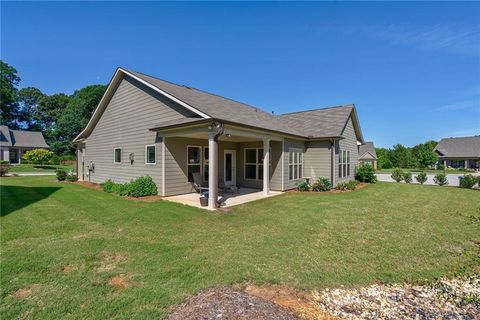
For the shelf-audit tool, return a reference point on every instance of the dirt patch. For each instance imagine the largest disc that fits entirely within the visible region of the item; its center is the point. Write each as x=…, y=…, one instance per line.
x=25, y=292
x=119, y=282
x=228, y=303
x=90, y=185
x=145, y=199
x=109, y=261
x=68, y=268
x=300, y=302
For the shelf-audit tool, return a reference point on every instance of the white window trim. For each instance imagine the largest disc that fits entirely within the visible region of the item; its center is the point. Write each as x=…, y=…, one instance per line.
x=344, y=172
x=146, y=154
x=298, y=164
x=195, y=164
x=114, y=162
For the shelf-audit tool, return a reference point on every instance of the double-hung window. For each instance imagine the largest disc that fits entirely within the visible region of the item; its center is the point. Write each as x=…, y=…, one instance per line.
x=194, y=161
x=117, y=155
x=254, y=163
x=344, y=164
x=150, y=152
x=295, y=164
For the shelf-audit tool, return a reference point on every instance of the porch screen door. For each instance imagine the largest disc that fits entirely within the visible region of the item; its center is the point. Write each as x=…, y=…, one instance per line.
x=229, y=165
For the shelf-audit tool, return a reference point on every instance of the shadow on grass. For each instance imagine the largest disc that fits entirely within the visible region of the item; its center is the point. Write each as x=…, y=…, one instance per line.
x=14, y=198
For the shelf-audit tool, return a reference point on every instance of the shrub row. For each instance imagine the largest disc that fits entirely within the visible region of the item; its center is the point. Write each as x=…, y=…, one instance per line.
x=323, y=184
x=63, y=175
x=140, y=187
x=347, y=185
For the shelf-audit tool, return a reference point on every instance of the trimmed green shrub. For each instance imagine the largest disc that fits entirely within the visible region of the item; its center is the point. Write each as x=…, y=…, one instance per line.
x=366, y=173
x=141, y=187
x=468, y=181
x=107, y=186
x=72, y=177
x=440, y=179
x=441, y=166
x=322, y=185
x=421, y=177
x=61, y=174
x=120, y=189
x=397, y=174
x=342, y=185
x=303, y=186
x=54, y=160
x=352, y=184
x=407, y=177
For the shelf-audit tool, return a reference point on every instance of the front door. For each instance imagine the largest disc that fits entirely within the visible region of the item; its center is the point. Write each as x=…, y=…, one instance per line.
x=229, y=166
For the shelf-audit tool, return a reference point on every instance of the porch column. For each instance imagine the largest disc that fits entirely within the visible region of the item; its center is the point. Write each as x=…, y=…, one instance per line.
x=212, y=170
x=266, y=166
x=466, y=164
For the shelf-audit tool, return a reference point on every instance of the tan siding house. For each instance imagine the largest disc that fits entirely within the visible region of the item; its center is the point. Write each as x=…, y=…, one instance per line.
x=173, y=133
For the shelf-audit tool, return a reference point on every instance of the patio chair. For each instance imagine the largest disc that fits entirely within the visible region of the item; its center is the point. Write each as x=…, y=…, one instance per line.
x=198, y=184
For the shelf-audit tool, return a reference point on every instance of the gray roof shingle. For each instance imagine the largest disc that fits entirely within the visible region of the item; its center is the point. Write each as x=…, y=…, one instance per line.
x=19, y=138
x=465, y=147
x=367, y=147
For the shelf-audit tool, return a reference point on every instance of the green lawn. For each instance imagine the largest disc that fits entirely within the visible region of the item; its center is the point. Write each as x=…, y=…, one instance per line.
x=433, y=171
x=23, y=168
x=62, y=244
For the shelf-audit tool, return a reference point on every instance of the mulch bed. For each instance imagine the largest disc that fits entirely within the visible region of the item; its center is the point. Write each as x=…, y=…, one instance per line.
x=228, y=303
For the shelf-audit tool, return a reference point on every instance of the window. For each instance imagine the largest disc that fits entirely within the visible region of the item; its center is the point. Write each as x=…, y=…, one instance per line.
x=117, y=155
x=194, y=161
x=205, y=163
x=344, y=164
x=254, y=163
x=150, y=157
x=295, y=164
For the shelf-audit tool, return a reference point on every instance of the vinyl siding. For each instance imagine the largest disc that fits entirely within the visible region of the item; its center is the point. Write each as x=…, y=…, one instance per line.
x=348, y=143
x=287, y=144
x=317, y=159
x=125, y=123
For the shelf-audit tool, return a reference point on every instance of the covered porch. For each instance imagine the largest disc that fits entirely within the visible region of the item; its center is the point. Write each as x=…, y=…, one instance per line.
x=233, y=165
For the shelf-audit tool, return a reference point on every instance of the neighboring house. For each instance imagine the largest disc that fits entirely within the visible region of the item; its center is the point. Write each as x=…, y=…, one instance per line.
x=367, y=154
x=14, y=143
x=459, y=152
x=147, y=126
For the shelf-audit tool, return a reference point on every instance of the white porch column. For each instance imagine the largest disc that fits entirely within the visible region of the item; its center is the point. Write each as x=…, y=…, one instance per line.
x=266, y=166
x=212, y=170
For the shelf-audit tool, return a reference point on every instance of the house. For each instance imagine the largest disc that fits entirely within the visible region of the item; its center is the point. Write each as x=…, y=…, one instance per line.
x=147, y=126
x=14, y=143
x=367, y=154
x=459, y=152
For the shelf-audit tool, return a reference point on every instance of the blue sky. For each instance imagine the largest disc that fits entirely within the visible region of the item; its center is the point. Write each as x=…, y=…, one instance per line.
x=412, y=69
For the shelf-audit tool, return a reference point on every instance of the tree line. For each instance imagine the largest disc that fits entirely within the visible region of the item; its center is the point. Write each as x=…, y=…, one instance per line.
x=59, y=116
x=419, y=156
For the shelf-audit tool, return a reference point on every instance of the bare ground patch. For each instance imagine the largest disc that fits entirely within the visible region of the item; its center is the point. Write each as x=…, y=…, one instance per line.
x=109, y=261
x=119, y=282
x=26, y=292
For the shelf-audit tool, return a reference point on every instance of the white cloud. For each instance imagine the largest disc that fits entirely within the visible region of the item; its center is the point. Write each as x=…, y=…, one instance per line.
x=459, y=106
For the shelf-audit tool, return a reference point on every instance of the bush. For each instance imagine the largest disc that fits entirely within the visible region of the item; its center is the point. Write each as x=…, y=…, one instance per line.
x=352, y=184
x=366, y=173
x=441, y=166
x=321, y=185
x=421, y=177
x=440, y=179
x=4, y=168
x=108, y=186
x=342, y=185
x=120, y=188
x=38, y=156
x=407, y=177
x=397, y=174
x=54, y=160
x=142, y=186
x=72, y=177
x=468, y=181
x=61, y=174
x=303, y=186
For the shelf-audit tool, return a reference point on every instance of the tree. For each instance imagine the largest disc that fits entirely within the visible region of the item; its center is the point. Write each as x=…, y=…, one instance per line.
x=38, y=156
x=384, y=158
x=9, y=81
x=424, y=154
x=402, y=157
x=28, y=98
x=75, y=117
x=49, y=109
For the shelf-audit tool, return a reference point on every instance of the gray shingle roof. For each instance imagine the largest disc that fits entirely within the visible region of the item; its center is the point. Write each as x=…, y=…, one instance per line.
x=367, y=147
x=319, y=123
x=465, y=147
x=19, y=138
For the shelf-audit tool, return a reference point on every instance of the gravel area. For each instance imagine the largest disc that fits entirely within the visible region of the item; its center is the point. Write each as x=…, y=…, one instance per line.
x=228, y=303
x=444, y=299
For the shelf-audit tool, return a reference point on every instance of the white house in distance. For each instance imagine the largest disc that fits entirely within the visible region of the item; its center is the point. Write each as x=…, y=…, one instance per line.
x=14, y=143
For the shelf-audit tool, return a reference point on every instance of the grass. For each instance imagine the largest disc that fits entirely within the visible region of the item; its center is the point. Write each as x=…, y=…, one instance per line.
x=432, y=171
x=73, y=252
x=30, y=168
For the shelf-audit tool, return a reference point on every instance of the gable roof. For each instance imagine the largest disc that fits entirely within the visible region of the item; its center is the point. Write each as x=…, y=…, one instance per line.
x=330, y=122
x=367, y=147
x=20, y=138
x=464, y=147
